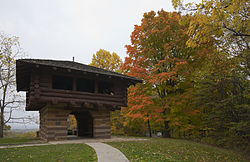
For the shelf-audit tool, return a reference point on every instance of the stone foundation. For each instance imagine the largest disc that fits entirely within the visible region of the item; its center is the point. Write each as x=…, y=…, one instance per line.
x=101, y=124
x=53, y=123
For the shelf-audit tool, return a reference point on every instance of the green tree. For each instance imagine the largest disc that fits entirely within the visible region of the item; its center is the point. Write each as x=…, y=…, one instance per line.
x=225, y=21
x=105, y=60
x=223, y=87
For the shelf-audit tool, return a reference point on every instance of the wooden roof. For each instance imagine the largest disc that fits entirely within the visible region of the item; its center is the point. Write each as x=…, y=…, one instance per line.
x=24, y=67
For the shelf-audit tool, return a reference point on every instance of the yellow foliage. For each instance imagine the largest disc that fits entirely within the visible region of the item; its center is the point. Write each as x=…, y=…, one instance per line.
x=72, y=123
x=28, y=134
x=105, y=60
x=225, y=21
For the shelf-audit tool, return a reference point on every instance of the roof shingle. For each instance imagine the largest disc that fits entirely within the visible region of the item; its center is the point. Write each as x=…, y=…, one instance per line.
x=76, y=66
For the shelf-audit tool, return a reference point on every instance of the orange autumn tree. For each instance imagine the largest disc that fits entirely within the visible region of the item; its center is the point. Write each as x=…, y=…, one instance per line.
x=141, y=106
x=158, y=54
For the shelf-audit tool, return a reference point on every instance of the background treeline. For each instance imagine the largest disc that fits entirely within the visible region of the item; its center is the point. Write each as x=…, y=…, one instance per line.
x=195, y=72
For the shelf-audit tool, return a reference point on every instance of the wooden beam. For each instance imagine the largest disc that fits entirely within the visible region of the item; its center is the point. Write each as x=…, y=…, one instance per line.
x=100, y=105
x=73, y=103
x=54, y=101
x=48, y=90
x=88, y=105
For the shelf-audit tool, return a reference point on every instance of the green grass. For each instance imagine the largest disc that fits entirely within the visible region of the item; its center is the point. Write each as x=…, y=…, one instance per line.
x=49, y=153
x=16, y=140
x=161, y=149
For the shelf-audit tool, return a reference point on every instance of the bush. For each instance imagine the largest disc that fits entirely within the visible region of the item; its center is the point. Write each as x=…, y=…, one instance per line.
x=28, y=134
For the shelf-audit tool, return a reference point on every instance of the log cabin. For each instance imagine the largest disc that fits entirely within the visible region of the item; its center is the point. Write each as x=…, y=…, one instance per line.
x=59, y=88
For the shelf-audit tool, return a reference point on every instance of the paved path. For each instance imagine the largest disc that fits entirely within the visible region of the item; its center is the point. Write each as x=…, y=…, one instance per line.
x=107, y=153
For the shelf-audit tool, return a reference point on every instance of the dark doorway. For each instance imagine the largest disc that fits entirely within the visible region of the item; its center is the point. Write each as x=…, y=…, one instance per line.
x=84, y=124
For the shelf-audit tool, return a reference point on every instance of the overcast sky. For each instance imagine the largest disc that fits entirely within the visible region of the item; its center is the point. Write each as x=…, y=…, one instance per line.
x=61, y=29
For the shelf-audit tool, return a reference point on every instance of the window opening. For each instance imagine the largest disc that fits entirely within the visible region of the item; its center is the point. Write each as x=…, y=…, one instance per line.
x=105, y=88
x=85, y=85
x=62, y=82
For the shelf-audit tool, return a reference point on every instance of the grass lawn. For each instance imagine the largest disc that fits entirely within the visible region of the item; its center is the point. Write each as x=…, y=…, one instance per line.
x=161, y=149
x=49, y=153
x=16, y=140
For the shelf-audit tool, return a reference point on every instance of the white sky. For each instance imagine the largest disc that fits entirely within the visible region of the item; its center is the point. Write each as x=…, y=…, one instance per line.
x=61, y=29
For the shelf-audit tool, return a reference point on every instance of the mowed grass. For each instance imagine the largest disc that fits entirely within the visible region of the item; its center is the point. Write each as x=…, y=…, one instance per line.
x=16, y=140
x=174, y=150
x=49, y=153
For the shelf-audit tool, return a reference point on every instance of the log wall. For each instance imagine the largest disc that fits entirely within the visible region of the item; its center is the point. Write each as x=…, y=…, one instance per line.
x=41, y=91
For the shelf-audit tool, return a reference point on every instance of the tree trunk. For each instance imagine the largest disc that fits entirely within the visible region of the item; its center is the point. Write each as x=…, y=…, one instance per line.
x=1, y=123
x=149, y=129
x=166, y=132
